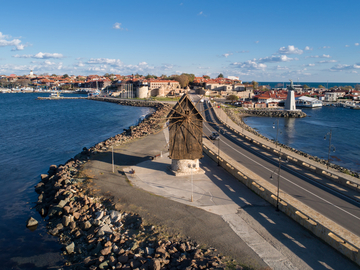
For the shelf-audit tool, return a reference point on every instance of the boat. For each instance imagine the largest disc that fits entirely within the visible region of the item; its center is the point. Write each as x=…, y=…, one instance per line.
x=349, y=104
x=308, y=102
x=356, y=107
x=55, y=94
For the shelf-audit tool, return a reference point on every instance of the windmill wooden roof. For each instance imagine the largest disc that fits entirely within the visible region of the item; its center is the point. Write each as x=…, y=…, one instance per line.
x=185, y=130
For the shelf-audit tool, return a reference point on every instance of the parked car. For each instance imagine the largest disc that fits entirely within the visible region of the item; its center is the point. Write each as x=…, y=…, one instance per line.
x=214, y=136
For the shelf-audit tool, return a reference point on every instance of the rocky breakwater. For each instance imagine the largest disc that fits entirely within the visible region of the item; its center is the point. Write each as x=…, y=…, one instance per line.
x=130, y=102
x=97, y=234
x=274, y=113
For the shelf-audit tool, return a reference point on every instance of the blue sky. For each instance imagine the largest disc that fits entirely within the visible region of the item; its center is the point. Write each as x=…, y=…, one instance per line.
x=312, y=41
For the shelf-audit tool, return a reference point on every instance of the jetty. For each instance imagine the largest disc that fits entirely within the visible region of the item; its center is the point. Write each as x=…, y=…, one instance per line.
x=57, y=98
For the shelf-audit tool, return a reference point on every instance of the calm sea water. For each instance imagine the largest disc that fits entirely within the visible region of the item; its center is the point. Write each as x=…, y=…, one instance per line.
x=310, y=84
x=35, y=134
x=307, y=134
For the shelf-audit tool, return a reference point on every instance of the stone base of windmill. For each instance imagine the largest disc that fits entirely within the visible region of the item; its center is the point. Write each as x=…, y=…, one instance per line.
x=182, y=167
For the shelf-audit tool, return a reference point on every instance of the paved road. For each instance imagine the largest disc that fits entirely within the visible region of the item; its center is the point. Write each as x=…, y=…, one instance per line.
x=293, y=180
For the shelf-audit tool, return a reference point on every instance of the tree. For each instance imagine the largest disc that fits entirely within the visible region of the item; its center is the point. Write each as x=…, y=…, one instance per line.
x=347, y=88
x=255, y=84
x=206, y=77
x=357, y=87
x=232, y=98
x=53, y=75
x=190, y=76
x=220, y=75
x=4, y=82
x=65, y=76
x=321, y=86
x=305, y=86
x=183, y=80
x=23, y=82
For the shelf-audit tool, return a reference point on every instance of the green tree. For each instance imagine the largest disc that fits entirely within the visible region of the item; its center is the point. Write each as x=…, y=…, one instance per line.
x=255, y=84
x=206, y=77
x=232, y=98
x=220, y=75
x=4, y=82
x=305, y=86
x=53, y=75
x=183, y=80
x=65, y=76
x=190, y=76
x=23, y=82
x=321, y=86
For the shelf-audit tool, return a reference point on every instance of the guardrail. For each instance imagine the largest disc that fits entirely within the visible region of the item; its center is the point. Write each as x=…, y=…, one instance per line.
x=336, y=236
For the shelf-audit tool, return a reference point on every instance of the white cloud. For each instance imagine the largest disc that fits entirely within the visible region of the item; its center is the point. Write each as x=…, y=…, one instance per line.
x=112, y=62
x=347, y=46
x=327, y=61
x=290, y=50
x=356, y=44
x=275, y=58
x=200, y=13
x=5, y=40
x=226, y=55
x=310, y=65
x=307, y=48
x=40, y=55
x=117, y=26
x=319, y=56
x=325, y=47
x=340, y=67
x=250, y=65
x=257, y=42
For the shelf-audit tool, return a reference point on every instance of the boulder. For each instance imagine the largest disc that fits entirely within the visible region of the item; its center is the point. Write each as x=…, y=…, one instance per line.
x=70, y=248
x=104, y=229
x=31, y=222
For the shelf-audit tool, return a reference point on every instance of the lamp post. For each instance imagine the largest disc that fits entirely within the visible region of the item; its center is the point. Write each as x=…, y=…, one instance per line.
x=218, y=159
x=192, y=166
x=278, y=182
x=277, y=132
x=330, y=147
x=112, y=158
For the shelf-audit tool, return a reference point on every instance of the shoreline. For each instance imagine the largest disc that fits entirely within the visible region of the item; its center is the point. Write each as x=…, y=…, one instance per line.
x=235, y=117
x=94, y=232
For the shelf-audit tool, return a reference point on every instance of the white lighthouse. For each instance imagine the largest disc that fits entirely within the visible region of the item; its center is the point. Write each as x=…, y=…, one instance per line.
x=290, y=100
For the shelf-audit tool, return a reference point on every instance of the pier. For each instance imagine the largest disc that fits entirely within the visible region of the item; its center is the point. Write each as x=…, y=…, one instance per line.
x=56, y=98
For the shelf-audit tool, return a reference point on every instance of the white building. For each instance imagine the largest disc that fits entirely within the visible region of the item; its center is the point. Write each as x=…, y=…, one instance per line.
x=308, y=102
x=233, y=78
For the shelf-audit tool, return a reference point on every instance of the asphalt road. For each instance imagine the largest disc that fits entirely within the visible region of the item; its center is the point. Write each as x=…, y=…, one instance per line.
x=292, y=180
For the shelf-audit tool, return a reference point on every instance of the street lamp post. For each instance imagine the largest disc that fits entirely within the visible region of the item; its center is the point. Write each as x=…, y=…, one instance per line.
x=192, y=166
x=218, y=159
x=277, y=132
x=330, y=147
x=278, y=182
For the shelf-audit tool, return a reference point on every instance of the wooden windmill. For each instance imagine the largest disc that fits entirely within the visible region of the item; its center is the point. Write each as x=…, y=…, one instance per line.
x=185, y=137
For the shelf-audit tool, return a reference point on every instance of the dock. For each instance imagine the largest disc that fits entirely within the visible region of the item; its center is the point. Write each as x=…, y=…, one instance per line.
x=57, y=98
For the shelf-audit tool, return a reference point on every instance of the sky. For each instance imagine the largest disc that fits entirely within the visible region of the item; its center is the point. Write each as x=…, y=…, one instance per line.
x=261, y=40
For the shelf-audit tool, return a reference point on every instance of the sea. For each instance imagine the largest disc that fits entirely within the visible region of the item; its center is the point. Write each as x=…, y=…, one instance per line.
x=327, y=128
x=310, y=84
x=35, y=134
